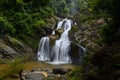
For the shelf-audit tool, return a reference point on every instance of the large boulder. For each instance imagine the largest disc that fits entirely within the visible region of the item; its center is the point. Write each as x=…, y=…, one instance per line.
x=77, y=53
x=6, y=51
x=17, y=45
x=11, y=47
x=59, y=71
x=33, y=76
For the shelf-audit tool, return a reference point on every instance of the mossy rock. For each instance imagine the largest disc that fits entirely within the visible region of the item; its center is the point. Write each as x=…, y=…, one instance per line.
x=57, y=35
x=53, y=38
x=17, y=45
x=59, y=31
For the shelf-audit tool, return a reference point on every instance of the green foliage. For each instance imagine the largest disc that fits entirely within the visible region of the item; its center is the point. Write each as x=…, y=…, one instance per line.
x=6, y=27
x=39, y=23
x=24, y=19
x=74, y=29
x=20, y=16
x=104, y=64
x=84, y=18
x=107, y=33
x=109, y=9
x=82, y=5
x=66, y=7
x=86, y=71
x=76, y=74
x=19, y=1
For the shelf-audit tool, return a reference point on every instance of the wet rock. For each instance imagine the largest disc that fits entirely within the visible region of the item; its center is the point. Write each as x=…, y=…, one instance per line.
x=59, y=31
x=33, y=76
x=33, y=70
x=51, y=77
x=59, y=71
x=56, y=77
x=77, y=53
x=47, y=69
x=53, y=37
x=49, y=72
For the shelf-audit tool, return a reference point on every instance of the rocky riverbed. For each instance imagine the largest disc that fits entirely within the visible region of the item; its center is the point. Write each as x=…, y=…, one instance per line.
x=46, y=74
x=45, y=71
x=41, y=71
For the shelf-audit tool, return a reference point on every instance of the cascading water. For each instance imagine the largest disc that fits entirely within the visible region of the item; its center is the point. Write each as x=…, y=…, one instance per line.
x=62, y=46
x=59, y=53
x=44, y=49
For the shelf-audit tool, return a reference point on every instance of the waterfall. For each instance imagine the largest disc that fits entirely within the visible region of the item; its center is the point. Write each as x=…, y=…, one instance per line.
x=62, y=46
x=44, y=49
x=59, y=53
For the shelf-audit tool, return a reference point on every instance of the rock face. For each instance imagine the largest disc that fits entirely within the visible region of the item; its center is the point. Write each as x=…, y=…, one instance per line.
x=77, y=53
x=86, y=32
x=11, y=47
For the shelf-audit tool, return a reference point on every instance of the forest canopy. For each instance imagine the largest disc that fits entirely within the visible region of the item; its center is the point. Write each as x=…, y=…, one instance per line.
x=24, y=16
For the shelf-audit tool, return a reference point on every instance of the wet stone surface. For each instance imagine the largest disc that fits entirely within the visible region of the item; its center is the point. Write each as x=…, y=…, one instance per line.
x=46, y=74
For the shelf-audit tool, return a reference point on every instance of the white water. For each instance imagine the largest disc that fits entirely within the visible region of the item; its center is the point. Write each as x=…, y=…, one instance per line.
x=44, y=49
x=62, y=46
x=59, y=53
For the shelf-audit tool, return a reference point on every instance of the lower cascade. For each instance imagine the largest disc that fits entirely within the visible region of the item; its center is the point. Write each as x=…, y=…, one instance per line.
x=59, y=52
